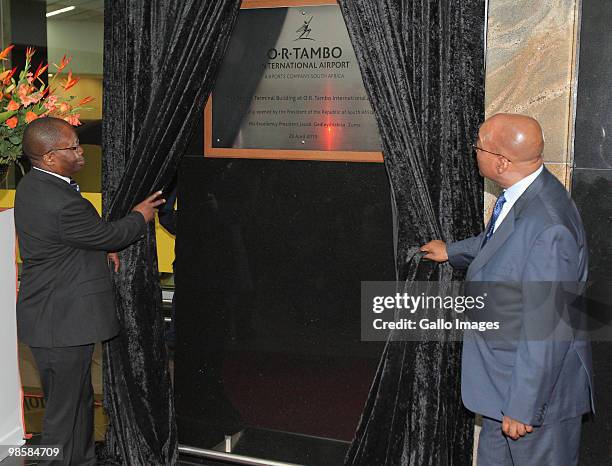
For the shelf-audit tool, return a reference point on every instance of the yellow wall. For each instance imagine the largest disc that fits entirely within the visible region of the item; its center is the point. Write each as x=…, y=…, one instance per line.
x=165, y=241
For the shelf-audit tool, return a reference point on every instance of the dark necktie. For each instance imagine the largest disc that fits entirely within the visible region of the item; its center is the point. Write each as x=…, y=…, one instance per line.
x=499, y=204
x=74, y=185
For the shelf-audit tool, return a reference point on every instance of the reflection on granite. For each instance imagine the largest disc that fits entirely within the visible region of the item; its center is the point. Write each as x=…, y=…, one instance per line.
x=268, y=304
x=530, y=64
x=592, y=193
x=594, y=105
x=591, y=190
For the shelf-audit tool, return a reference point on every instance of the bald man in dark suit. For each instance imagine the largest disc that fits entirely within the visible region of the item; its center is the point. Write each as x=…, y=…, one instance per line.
x=533, y=382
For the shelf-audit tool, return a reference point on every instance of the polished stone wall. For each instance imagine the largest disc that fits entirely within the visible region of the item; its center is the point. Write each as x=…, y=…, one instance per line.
x=531, y=57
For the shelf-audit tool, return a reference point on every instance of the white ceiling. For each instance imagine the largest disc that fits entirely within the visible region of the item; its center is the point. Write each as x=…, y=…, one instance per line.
x=86, y=10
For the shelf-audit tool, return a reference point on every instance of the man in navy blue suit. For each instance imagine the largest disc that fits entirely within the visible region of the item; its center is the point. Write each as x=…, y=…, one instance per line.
x=530, y=390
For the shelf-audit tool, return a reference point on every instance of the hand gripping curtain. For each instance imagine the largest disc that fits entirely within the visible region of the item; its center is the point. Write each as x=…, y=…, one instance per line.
x=422, y=67
x=160, y=62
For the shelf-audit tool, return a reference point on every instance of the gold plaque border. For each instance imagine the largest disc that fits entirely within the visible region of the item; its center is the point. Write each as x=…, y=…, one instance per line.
x=280, y=154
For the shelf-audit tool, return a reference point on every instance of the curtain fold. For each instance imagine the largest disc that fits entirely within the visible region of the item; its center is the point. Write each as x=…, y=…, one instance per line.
x=160, y=62
x=422, y=66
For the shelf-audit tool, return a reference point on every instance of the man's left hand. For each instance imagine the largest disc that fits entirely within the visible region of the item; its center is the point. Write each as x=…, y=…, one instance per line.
x=113, y=258
x=515, y=429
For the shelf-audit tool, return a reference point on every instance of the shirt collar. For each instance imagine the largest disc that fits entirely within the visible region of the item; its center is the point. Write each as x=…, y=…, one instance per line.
x=65, y=178
x=517, y=189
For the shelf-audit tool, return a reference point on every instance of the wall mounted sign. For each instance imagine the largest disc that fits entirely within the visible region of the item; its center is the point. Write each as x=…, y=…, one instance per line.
x=290, y=88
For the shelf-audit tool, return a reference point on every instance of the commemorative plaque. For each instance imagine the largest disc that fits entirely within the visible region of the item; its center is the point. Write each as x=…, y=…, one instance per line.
x=290, y=88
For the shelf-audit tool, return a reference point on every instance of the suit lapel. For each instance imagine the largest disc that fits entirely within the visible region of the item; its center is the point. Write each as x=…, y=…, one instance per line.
x=46, y=177
x=497, y=240
x=506, y=228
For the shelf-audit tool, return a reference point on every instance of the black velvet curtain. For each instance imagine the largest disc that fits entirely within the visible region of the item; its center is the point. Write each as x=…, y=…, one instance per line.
x=160, y=63
x=422, y=66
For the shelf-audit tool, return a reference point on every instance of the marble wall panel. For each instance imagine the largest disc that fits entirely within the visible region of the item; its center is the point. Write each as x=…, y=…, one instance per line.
x=530, y=65
x=531, y=57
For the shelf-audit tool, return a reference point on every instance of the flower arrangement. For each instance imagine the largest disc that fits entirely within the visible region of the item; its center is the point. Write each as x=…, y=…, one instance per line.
x=27, y=98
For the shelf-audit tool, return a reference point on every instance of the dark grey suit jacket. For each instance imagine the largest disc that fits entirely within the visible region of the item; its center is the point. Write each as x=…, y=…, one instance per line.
x=65, y=295
x=535, y=379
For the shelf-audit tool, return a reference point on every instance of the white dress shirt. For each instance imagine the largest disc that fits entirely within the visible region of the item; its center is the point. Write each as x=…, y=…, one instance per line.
x=513, y=193
x=65, y=178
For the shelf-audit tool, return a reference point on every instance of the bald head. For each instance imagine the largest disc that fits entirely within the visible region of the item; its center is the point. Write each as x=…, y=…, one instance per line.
x=43, y=135
x=517, y=140
x=52, y=144
x=519, y=137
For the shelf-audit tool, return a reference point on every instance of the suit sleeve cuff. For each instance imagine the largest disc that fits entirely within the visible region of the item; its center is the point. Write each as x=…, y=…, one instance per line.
x=453, y=253
x=524, y=412
x=140, y=218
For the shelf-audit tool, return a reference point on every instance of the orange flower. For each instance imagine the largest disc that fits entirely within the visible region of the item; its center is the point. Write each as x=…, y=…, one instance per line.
x=11, y=122
x=63, y=63
x=64, y=107
x=12, y=106
x=73, y=119
x=70, y=81
x=30, y=116
x=7, y=79
x=22, y=91
x=5, y=52
x=40, y=70
x=85, y=100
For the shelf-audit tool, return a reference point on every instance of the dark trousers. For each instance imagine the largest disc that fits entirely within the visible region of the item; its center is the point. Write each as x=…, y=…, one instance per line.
x=65, y=374
x=554, y=444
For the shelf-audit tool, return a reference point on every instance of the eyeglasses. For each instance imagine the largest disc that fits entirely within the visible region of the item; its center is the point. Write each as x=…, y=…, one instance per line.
x=70, y=148
x=64, y=148
x=476, y=148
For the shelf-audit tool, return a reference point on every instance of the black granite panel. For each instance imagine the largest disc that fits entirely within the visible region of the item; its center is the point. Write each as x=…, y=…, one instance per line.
x=270, y=258
x=593, y=143
x=592, y=192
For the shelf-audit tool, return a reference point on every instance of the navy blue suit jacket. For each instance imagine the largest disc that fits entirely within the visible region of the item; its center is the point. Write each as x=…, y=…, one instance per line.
x=529, y=378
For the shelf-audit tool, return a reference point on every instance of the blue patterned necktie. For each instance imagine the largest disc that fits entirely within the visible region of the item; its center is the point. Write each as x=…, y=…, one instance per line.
x=499, y=204
x=74, y=185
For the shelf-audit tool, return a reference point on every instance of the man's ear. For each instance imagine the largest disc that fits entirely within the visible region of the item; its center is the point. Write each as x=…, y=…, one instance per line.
x=48, y=159
x=502, y=164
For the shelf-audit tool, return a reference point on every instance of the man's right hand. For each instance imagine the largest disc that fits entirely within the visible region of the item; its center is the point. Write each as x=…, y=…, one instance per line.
x=147, y=207
x=436, y=251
